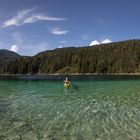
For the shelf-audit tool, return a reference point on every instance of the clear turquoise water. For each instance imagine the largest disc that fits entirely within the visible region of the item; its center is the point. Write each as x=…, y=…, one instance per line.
x=88, y=110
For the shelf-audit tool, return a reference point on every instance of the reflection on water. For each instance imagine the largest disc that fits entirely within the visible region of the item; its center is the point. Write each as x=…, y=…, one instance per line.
x=72, y=89
x=45, y=110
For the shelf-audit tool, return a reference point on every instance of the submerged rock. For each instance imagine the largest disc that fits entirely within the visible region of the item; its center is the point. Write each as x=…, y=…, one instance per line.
x=4, y=106
x=18, y=124
x=30, y=135
x=13, y=137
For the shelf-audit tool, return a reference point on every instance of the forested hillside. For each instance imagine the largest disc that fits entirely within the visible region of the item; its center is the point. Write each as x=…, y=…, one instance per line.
x=120, y=57
x=6, y=56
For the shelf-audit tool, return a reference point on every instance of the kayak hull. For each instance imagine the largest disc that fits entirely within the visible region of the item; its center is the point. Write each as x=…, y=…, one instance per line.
x=66, y=85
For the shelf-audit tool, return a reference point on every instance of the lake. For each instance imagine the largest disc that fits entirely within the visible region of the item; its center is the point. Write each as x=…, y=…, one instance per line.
x=87, y=110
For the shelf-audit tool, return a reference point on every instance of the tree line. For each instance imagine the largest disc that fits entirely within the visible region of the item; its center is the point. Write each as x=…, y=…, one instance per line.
x=119, y=57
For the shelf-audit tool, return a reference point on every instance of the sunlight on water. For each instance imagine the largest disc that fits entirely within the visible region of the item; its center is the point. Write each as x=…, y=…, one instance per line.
x=88, y=110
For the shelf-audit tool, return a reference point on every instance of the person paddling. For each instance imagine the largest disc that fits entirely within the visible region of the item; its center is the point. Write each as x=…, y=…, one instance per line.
x=66, y=82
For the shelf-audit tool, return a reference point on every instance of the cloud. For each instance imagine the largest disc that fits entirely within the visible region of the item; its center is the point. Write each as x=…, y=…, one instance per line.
x=18, y=19
x=27, y=16
x=95, y=42
x=60, y=46
x=57, y=31
x=63, y=41
x=106, y=41
x=37, y=17
x=14, y=48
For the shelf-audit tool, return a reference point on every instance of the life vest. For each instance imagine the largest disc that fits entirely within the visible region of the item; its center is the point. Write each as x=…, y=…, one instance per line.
x=66, y=83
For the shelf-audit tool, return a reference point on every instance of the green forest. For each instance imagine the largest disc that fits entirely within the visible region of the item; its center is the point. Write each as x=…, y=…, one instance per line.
x=118, y=57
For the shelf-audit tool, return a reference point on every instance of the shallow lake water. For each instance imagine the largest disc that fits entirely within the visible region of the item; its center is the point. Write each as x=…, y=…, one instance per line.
x=87, y=110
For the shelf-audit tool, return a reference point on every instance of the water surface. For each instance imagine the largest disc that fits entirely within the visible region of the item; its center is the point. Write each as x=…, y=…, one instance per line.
x=88, y=110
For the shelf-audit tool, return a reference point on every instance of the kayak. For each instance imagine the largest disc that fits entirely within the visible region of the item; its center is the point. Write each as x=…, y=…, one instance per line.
x=66, y=85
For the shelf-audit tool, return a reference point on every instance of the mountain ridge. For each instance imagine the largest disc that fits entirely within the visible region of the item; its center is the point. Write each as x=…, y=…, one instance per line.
x=115, y=57
x=6, y=55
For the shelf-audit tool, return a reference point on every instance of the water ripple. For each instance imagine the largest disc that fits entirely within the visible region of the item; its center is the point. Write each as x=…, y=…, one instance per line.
x=90, y=110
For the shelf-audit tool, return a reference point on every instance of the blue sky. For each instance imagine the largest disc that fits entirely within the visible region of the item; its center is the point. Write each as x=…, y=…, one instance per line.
x=30, y=26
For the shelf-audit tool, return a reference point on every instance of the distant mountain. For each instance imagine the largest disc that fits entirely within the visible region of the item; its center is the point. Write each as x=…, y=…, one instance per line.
x=6, y=55
x=118, y=57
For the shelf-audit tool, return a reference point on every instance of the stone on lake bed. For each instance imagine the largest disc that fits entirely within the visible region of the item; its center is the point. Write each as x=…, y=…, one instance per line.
x=30, y=135
x=13, y=137
x=98, y=110
x=18, y=124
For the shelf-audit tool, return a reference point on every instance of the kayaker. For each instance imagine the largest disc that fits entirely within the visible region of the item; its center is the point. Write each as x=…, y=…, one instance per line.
x=66, y=81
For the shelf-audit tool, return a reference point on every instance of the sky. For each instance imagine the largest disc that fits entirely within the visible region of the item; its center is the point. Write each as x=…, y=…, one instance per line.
x=31, y=26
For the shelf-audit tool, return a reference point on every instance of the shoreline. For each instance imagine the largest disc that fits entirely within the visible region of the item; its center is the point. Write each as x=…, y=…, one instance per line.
x=72, y=74
x=87, y=76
